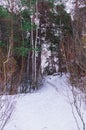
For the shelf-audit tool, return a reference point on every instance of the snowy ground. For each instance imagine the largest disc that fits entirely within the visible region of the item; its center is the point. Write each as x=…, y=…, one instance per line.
x=47, y=109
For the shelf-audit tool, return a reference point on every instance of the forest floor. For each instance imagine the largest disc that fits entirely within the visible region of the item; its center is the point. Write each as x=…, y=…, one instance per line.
x=49, y=108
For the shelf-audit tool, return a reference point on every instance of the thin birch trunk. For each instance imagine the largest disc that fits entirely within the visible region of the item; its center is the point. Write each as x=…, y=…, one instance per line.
x=32, y=44
x=36, y=41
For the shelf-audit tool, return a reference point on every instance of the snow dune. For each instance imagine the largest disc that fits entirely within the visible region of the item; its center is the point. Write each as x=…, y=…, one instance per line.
x=47, y=109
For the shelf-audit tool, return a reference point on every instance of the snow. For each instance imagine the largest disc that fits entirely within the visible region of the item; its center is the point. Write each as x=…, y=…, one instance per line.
x=46, y=109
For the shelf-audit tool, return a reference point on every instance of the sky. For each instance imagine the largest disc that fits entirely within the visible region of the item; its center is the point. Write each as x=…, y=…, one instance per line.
x=69, y=5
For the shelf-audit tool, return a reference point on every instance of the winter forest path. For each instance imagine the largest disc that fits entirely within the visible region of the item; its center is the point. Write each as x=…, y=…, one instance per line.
x=46, y=109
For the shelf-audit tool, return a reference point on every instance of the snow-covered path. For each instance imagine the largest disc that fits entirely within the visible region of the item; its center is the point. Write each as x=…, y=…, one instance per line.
x=47, y=109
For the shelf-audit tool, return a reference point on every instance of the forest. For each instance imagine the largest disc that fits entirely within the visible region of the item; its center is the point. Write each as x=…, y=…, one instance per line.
x=32, y=29
x=24, y=28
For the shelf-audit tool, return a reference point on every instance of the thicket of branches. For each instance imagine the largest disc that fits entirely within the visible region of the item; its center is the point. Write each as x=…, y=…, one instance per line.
x=73, y=46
